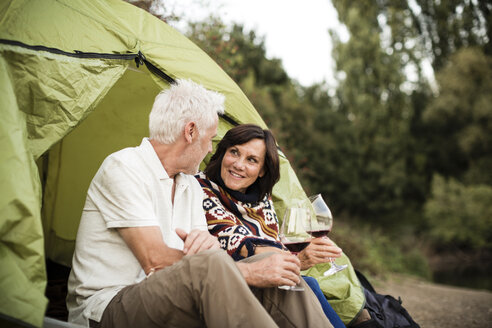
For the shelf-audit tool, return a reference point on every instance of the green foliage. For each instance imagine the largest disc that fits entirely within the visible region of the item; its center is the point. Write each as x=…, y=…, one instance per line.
x=459, y=215
x=373, y=251
x=376, y=124
x=446, y=26
x=461, y=118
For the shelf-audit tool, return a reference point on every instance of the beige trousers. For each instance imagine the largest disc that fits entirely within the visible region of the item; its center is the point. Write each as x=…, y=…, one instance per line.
x=208, y=290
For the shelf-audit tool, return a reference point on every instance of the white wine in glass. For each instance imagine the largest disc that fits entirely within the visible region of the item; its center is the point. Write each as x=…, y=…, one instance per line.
x=320, y=225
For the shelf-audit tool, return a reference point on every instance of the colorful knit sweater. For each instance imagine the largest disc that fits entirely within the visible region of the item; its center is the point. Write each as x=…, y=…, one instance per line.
x=238, y=219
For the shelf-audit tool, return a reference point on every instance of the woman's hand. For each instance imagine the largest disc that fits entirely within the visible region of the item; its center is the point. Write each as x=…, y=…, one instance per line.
x=197, y=240
x=320, y=250
x=276, y=270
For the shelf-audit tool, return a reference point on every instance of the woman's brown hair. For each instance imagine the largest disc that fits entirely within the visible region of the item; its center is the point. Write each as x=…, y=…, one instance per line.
x=239, y=135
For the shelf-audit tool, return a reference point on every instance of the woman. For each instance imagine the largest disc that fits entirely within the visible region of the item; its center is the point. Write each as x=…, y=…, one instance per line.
x=237, y=186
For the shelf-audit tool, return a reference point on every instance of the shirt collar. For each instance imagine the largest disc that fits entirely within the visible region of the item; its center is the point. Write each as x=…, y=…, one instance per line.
x=155, y=164
x=152, y=159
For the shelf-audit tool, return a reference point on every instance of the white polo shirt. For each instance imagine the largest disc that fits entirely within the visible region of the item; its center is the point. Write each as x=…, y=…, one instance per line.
x=130, y=189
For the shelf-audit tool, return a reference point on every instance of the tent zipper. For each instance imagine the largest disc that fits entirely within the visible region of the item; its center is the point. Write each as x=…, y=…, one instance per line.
x=76, y=53
x=138, y=57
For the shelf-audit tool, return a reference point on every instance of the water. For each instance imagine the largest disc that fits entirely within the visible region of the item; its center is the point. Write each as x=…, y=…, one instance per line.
x=476, y=276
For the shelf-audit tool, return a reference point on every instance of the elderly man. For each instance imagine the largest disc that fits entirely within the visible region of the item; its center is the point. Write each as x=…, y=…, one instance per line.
x=144, y=257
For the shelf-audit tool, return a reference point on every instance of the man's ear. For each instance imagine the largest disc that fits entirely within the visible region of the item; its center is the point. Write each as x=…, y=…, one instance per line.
x=190, y=132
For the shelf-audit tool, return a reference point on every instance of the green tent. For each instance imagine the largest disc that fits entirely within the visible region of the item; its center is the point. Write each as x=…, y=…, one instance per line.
x=61, y=60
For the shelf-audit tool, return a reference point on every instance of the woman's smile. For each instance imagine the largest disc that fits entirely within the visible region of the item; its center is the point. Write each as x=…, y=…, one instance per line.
x=235, y=175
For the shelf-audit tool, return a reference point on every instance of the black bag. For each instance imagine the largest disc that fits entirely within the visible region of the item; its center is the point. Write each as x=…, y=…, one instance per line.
x=385, y=310
x=388, y=311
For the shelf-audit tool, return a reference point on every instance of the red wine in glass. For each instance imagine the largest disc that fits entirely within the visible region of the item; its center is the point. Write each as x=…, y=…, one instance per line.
x=293, y=235
x=319, y=233
x=296, y=246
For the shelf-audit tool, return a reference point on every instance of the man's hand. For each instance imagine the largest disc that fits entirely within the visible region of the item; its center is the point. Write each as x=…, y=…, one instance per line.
x=276, y=270
x=320, y=250
x=197, y=241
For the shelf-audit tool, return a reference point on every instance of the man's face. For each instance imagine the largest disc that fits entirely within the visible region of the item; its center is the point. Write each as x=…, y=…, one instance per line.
x=200, y=148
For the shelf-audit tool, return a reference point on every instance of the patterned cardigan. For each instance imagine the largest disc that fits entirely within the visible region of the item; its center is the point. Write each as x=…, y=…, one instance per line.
x=236, y=223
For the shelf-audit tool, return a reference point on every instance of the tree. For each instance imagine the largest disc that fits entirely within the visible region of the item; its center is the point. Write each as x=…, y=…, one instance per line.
x=377, y=110
x=157, y=8
x=446, y=26
x=383, y=87
x=238, y=52
x=461, y=118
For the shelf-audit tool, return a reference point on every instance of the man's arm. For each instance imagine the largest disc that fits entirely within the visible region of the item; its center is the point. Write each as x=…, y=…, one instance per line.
x=149, y=248
x=153, y=254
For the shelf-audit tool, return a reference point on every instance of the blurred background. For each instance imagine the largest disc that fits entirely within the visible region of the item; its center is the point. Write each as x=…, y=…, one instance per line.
x=384, y=107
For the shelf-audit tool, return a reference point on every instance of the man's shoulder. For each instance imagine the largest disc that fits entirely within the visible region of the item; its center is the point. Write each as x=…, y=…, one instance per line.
x=124, y=157
x=122, y=154
x=125, y=161
x=129, y=155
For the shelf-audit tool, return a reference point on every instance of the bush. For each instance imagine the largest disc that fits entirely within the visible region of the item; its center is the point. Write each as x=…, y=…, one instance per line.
x=459, y=215
x=375, y=252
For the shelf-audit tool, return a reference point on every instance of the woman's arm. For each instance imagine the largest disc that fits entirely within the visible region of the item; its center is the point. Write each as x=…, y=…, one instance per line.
x=234, y=236
x=261, y=249
x=240, y=242
x=320, y=250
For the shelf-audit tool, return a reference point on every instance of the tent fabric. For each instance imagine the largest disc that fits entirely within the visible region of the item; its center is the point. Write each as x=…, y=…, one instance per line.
x=36, y=114
x=71, y=92
x=22, y=275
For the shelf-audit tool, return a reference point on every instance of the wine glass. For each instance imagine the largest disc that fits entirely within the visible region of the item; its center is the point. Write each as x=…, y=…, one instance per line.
x=293, y=234
x=320, y=225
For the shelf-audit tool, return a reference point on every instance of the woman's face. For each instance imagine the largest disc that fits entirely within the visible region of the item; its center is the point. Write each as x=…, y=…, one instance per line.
x=243, y=164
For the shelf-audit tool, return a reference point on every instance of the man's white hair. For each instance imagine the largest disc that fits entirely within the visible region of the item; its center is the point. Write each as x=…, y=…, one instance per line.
x=185, y=101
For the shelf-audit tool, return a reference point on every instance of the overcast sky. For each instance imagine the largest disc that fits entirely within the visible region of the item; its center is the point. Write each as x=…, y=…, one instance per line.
x=294, y=31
